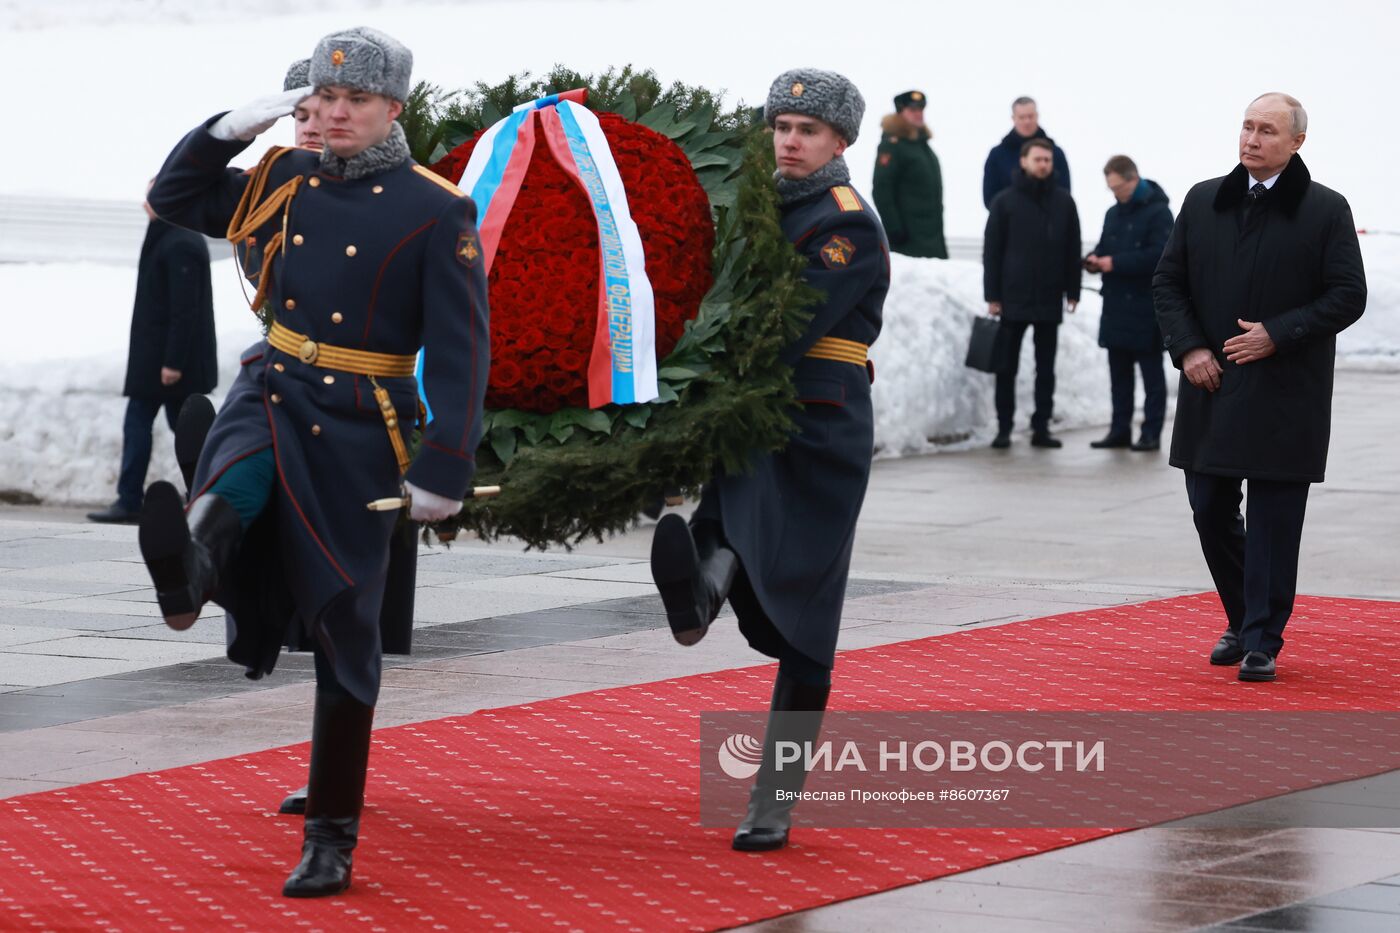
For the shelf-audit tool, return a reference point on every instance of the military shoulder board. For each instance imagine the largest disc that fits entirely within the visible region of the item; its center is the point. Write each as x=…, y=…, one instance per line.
x=438, y=180
x=846, y=198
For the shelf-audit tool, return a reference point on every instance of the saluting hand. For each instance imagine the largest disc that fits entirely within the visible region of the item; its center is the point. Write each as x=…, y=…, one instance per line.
x=255, y=117
x=1254, y=344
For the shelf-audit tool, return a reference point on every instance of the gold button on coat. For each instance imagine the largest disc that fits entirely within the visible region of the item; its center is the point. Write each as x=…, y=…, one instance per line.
x=337, y=317
x=315, y=429
x=290, y=303
x=279, y=367
x=314, y=182
x=298, y=239
x=378, y=189
x=328, y=379
x=350, y=250
x=276, y=399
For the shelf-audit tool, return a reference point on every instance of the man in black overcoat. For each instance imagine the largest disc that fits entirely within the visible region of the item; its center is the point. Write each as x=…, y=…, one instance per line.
x=777, y=540
x=1262, y=270
x=171, y=355
x=1030, y=273
x=363, y=257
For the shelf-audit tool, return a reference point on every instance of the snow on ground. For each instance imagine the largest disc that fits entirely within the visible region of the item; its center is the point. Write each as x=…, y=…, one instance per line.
x=61, y=369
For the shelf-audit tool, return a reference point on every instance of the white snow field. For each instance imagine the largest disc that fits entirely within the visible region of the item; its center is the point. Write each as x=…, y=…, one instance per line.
x=122, y=80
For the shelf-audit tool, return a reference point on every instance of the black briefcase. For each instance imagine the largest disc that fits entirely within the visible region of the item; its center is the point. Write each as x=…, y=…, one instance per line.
x=984, y=350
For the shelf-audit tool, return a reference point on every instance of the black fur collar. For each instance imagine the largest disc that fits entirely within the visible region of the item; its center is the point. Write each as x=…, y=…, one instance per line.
x=1287, y=192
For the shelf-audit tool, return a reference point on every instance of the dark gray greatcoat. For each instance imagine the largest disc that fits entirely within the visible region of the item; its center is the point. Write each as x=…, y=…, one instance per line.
x=1031, y=251
x=1291, y=261
x=172, y=318
x=792, y=519
x=1134, y=235
x=386, y=263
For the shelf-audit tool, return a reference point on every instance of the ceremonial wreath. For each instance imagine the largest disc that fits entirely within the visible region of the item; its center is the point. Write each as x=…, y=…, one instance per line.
x=609, y=381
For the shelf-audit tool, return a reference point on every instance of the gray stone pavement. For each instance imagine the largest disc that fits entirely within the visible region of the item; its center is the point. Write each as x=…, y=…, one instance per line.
x=93, y=686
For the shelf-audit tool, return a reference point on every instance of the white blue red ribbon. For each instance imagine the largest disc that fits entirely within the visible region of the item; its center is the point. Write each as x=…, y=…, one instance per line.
x=622, y=366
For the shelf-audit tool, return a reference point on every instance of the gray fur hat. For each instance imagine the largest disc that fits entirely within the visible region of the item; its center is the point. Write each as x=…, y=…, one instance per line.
x=298, y=75
x=364, y=59
x=826, y=95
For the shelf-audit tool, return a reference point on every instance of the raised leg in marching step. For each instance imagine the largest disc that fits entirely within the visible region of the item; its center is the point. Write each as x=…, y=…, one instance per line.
x=693, y=570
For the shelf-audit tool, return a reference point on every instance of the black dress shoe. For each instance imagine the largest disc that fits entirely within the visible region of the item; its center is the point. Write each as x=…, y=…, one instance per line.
x=1112, y=441
x=115, y=514
x=326, y=861
x=294, y=803
x=1148, y=442
x=186, y=554
x=191, y=428
x=693, y=571
x=1227, y=650
x=1002, y=440
x=1045, y=439
x=1257, y=666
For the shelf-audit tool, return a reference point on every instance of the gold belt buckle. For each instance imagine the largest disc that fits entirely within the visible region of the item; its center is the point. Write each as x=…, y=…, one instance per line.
x=308, y=352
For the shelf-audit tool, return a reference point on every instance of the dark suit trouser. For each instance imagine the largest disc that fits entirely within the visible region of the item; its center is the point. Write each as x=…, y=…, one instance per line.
x=1253, y=558
x=1154, y=387
x=136, y=446
x=1046, y=334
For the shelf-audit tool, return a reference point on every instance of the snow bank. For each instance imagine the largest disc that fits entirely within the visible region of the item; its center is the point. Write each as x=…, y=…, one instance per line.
x=925, y=397
x=61, y=372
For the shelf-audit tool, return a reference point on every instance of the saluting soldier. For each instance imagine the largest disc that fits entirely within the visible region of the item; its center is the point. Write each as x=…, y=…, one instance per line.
x=776, y=541
x=908, y=185
x=364, y=257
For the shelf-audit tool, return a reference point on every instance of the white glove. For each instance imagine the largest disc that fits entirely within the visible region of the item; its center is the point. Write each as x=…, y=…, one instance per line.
x=256, y=117
x=429, y=506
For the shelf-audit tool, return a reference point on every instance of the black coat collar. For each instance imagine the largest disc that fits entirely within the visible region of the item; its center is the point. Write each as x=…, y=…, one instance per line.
x=1287, y=192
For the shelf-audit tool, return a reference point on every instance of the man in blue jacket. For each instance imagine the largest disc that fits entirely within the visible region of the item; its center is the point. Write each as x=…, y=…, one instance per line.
x=1004, y=161
x=1135, y=231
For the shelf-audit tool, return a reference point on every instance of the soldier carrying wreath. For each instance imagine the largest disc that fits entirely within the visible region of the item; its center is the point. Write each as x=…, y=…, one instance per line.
x=776, y=540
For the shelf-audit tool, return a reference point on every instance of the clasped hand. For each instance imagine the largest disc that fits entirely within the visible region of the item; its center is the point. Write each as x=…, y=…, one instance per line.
x=1202, y=369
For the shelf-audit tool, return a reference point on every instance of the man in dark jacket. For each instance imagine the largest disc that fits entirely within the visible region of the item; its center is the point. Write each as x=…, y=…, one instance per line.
x=1004, y=160
x=1030, y=268
x=776, y=540
x=1262, y=270
x=1135, y=231
x=171, y=355
x=908, y=186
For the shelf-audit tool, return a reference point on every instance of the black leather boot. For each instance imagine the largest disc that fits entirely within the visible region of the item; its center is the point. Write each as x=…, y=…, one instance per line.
x=191, y=428
x=340, y=736
x=796, y=717
x=186, y=554
x=294, y=803
x=693, y=571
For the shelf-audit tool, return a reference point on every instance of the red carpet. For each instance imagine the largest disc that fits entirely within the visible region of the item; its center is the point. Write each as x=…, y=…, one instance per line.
x=581, y=812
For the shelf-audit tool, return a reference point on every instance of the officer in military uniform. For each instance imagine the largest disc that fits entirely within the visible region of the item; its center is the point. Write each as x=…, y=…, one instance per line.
x=908, y=186
x=365, y=257
x=776, y=541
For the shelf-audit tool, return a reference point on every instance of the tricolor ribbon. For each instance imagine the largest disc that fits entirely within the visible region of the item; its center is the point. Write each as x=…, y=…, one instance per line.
x=622, y=367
